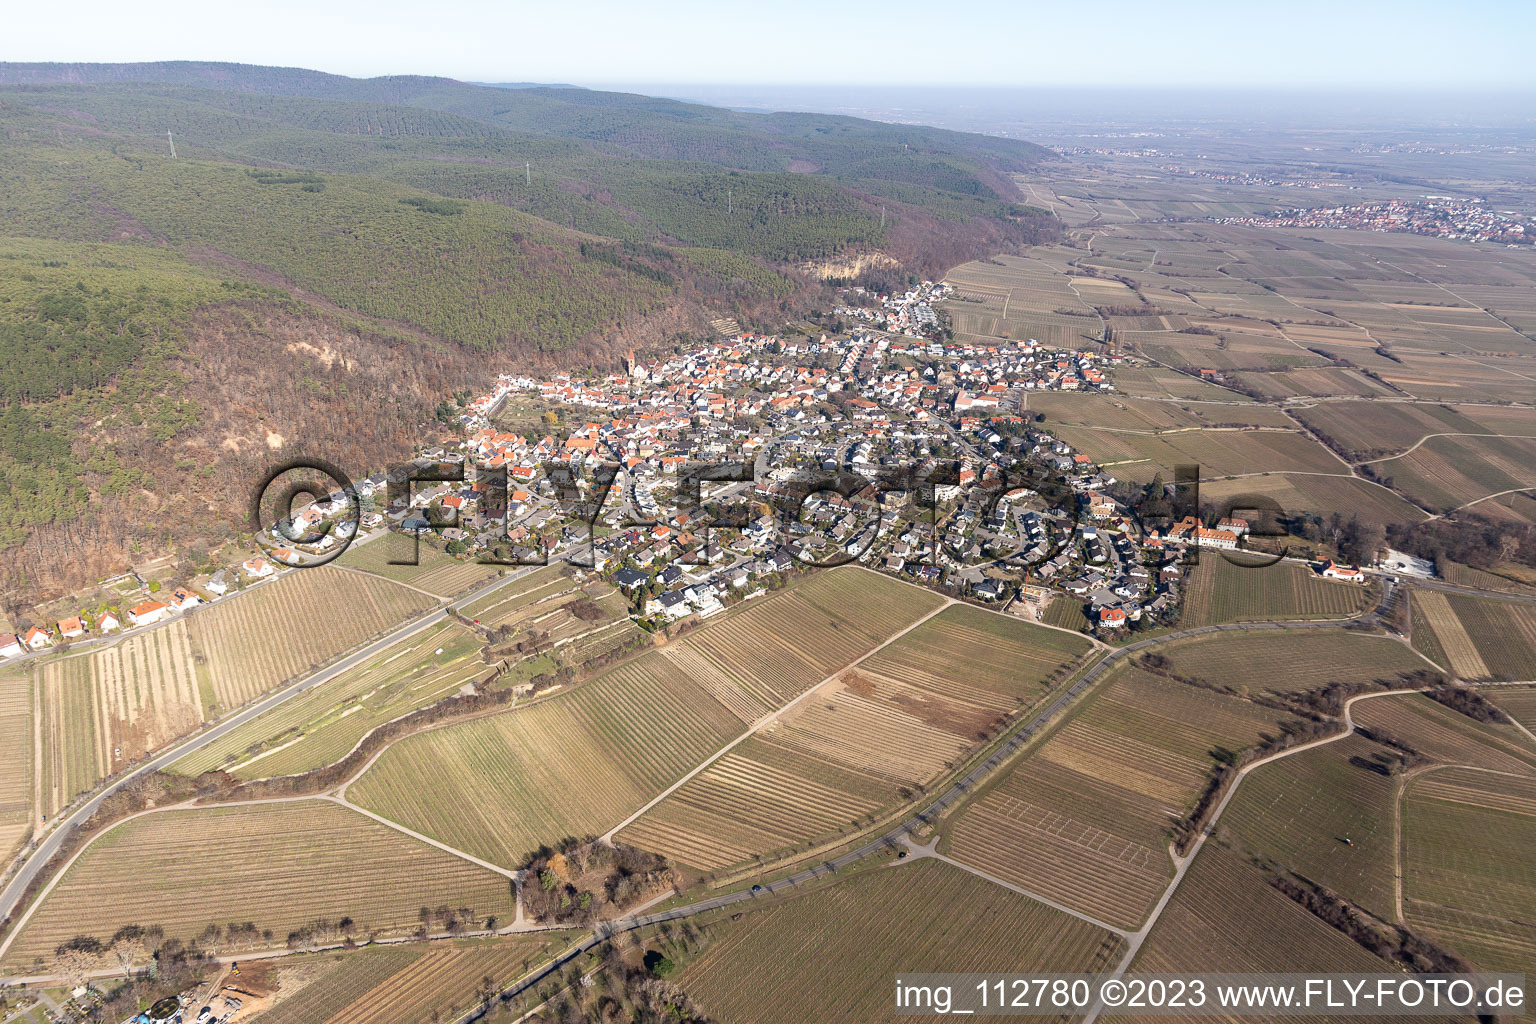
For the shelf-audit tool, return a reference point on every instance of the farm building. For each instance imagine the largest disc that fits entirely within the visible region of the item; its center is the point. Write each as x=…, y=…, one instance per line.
x=1334, y=571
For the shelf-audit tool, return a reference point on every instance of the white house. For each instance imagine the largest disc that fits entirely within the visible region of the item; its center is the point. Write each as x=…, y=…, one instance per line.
x=257, y=568
x=182, y=599
x=106, y=622
x=10, y=645
x=149, y=611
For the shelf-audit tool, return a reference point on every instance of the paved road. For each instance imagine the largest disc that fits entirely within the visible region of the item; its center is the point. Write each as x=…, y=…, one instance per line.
x=11, y=895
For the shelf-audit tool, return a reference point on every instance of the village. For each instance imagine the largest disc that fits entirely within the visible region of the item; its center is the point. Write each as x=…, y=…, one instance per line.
x=689, y=480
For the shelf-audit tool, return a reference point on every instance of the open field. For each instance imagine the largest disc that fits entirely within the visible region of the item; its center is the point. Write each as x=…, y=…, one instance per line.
x=1518, y=702
x=1161, y=382
x=106, y=709
x=323, y=725
x=1444, y=735
x=1120, y=412
x=1445, y=473
x=1219, y=591
x=977, y=655
x=1085, y=819
x=280, y=866
x=758, y=799
x=1478, y=898
x=933, y=696
x=293, y=624
x=1226, y=917
x=1482, y=638
x=1218, y=453
x=567, y=766
x=580, y=762
x=1290, y=662
x=832, y=954
x=1375, y=429
x=1324, y=495
x=15, y=759
x=437, y=572
x=1028, y=297
x=402, y=985
x=1299, y=811
x=1408, y=311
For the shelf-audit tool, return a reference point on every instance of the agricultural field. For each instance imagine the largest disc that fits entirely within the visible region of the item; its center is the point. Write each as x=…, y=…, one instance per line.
x=1289, y=662
x=582, y=761
x=1346, y=496
x=1377, y=429
x=832, y=954
x=104, y=710
x=1443, y=735
x=1218, y=453
x=1446, y=473
x=1118, y=412
x=1480, y=638
x=324, y=724
x=16, y=731
x=1028, y=297
x=1161, y=382
x=1085, y=819
x=71, y=760
x=978, y=655
x=1225, y=916
x=1218, y=591
x=252, y=643
x=401, y=985
x=1519, y=702
x=1298, y=812
x=1506, y=576
x=776, y=649
x=539, y=585
x=1066, y=612
x=280, y=866
x=437, y=572
x=934, y=694
x=539, y=607
x=1379, y=304
x=1478, y=898
x=571, y=765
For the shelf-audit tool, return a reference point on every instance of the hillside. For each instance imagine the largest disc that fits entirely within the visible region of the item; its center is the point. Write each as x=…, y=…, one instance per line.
x=325, y=259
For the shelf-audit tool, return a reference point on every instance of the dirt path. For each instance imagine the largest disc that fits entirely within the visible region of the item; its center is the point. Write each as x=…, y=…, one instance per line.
x=607, y=837
x=931, y=852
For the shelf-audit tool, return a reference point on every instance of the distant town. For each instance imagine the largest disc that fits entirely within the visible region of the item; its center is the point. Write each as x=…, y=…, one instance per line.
x=1438, y=216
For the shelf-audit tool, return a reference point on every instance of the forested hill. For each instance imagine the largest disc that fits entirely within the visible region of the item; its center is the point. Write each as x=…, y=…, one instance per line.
x=625, y=166
x=324, y=260
x=663, y=128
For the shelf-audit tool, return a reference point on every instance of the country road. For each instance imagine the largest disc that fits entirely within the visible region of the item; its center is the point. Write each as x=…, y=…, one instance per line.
x=899, y=835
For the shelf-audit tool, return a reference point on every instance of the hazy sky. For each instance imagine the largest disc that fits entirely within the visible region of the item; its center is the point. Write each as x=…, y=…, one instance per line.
x=1300, y=43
